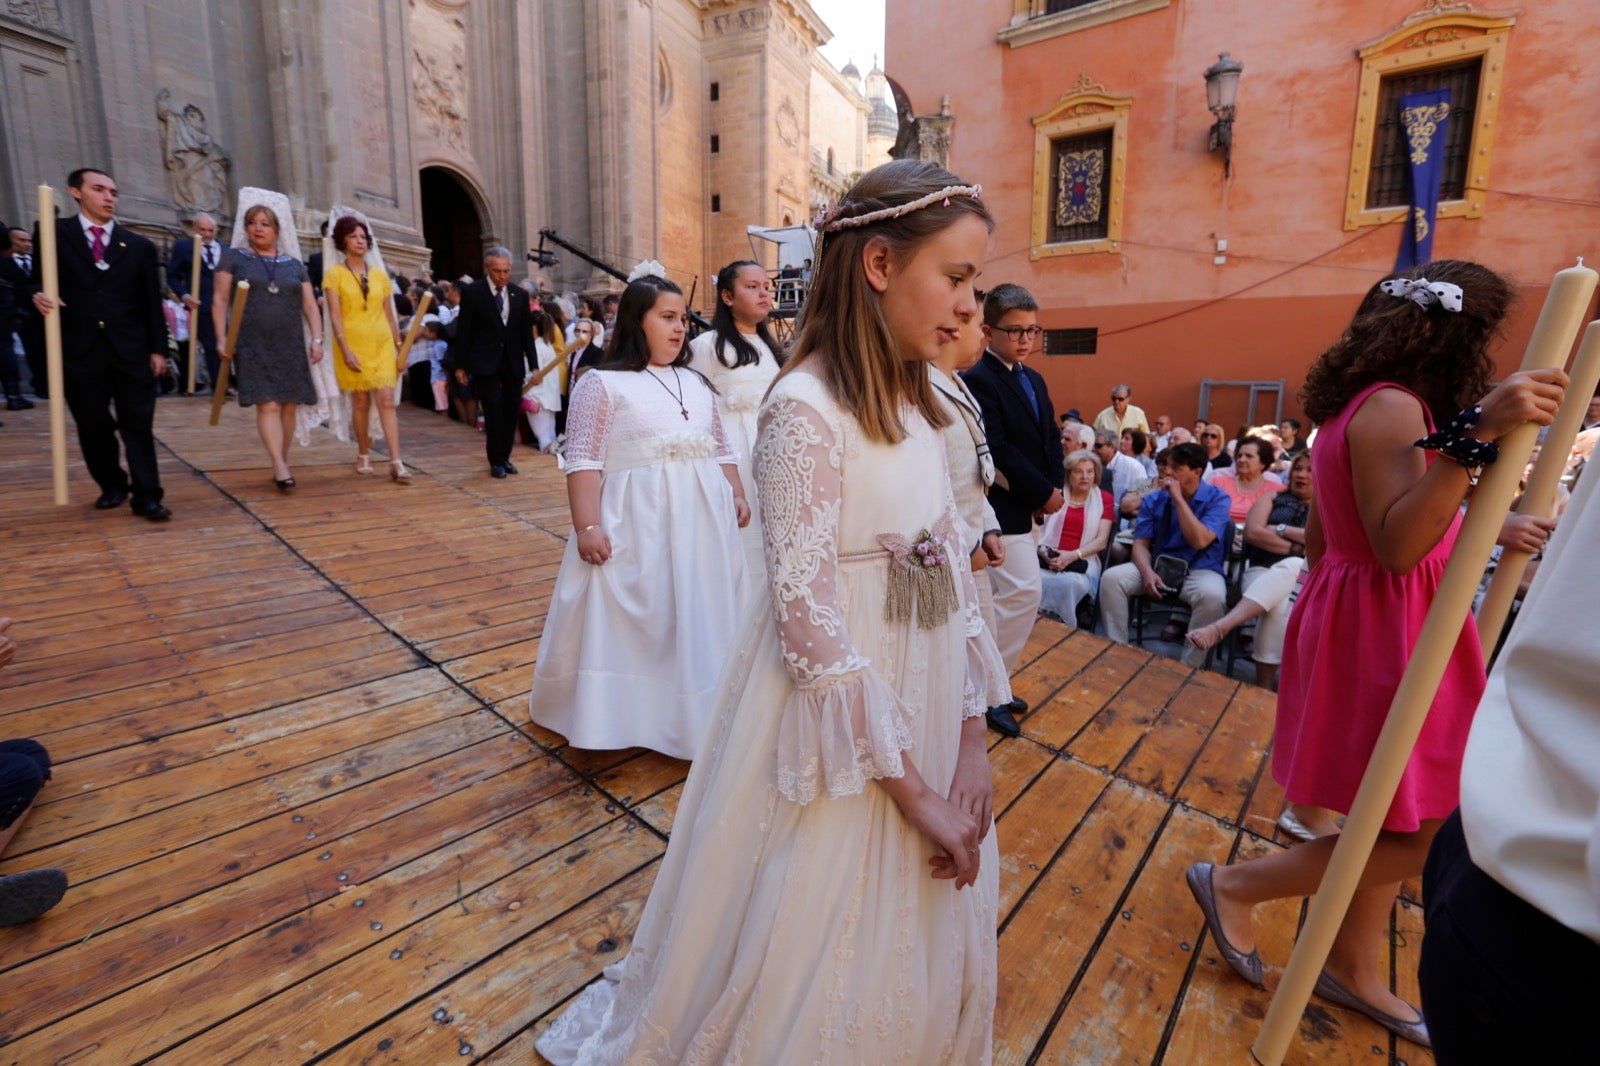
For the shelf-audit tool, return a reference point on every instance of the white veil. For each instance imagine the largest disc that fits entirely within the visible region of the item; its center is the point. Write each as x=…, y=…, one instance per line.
x=289, y=245
x=288, y=238
x=332, y=408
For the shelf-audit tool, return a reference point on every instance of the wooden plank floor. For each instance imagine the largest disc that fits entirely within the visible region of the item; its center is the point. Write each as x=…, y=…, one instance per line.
x=306, y=819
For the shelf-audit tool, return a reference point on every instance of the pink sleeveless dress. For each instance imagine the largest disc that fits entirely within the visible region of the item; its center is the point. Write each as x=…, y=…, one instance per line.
x=1351, y=634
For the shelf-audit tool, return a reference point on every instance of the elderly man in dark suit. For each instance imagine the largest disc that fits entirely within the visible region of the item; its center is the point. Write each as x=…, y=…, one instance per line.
x=113, y=339
x=199, y=304
x=493, y=349
x=1021, y=427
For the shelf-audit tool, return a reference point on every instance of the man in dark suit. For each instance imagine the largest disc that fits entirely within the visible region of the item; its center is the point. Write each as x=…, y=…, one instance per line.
x=113, y=340
x=16, y=263
x=199, y=305
x=493, y=349
x=1020, y=424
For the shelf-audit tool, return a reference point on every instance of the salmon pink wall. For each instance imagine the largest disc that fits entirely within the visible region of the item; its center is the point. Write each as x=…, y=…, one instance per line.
x=1268, y=310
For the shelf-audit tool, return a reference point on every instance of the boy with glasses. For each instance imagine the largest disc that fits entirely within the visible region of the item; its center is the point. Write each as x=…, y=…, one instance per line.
x=1023, y=438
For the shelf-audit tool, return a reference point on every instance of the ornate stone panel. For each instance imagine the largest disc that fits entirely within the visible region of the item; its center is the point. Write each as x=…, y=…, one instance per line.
x=439, y=82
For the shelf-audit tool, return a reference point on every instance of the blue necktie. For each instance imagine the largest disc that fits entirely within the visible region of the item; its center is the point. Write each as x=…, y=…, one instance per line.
x=500, y=302
x=1027, y=387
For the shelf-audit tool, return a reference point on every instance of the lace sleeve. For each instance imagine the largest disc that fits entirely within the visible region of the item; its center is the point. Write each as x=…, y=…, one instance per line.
x=844, y=725
x=588, y=425
x=725, y=454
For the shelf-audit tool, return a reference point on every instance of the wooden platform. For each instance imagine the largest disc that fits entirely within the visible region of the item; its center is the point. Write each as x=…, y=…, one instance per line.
x=306, y=819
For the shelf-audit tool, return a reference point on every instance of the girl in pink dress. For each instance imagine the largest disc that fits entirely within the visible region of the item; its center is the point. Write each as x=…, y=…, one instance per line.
x=1383, y=520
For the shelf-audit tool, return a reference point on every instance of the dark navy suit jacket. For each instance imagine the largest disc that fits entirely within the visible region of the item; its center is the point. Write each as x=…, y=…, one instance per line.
x=1026, y=446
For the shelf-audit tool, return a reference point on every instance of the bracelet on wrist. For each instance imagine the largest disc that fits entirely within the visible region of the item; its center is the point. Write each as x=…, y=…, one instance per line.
x=585, y=529
x=1474, y=470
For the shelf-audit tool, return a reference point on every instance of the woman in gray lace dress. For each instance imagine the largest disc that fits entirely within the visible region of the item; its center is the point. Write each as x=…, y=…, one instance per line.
x=270, y=357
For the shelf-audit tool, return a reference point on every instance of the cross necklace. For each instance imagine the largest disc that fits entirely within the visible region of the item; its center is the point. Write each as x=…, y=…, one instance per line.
x=678, y=395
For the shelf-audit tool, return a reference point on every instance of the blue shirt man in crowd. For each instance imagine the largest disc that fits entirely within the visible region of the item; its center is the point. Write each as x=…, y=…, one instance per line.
x=1185, y=520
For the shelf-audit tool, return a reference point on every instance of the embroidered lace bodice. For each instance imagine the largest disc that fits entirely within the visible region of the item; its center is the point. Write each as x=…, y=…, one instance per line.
x=827, y=494
x=622, y=419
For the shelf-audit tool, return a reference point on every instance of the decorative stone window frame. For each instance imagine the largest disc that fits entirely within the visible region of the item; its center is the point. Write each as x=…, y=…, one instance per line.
x=1029, y=22
x=1440, y=33
x=1085, y=108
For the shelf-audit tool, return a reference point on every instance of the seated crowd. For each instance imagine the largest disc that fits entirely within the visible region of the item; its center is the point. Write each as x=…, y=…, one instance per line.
x=1188, y=519
x=1211, y=529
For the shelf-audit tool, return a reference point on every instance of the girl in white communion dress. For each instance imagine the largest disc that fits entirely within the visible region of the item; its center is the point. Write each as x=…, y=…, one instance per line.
x=831, y=886
x=740, y=359
x=645, y=610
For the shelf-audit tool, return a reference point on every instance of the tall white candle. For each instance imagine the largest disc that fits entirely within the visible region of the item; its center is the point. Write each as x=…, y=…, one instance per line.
x=51, y=286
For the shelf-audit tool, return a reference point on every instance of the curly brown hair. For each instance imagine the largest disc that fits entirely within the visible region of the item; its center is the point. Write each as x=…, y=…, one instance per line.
x=1442, y=356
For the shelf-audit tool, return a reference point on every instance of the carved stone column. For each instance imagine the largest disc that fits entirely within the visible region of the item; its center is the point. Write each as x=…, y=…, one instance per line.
x=294, y=62
x=621, y=77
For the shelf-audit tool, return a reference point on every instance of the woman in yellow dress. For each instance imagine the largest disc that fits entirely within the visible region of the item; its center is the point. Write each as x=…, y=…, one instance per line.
x=361, y=310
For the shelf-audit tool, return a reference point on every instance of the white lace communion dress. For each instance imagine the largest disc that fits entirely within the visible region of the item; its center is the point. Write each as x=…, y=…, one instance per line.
x=632, y=649
x=739, y=393
x=794, y=918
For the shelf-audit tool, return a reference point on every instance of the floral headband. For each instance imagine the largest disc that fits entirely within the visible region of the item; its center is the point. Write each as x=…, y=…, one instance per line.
x=1425, y=293
x=828, y=219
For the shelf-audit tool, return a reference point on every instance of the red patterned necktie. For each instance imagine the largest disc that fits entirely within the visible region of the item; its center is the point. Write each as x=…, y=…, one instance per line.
x=98, y=246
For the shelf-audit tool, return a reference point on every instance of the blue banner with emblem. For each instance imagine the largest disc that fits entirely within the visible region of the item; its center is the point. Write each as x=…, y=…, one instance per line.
x=1424, y=118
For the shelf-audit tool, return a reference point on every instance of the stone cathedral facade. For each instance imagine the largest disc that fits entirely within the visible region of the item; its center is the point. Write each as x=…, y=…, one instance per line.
x=635, y=128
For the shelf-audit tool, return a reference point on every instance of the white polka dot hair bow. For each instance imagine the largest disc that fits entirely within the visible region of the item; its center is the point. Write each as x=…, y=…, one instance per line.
x=1423, y=292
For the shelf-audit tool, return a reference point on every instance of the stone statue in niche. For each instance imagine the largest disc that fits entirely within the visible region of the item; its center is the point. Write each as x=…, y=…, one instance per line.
x=933, y=135
x=197, y=168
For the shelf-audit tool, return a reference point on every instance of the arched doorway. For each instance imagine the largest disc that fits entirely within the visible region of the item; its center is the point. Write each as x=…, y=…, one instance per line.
x=451, y=225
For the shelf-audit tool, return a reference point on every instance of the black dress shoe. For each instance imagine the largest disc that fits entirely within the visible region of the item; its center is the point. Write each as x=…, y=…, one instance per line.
x=497, y=471
x=153, y=510
x=17, y=403
x=25, y=896
x=109, y=500
x=1018, y=705
x=1001, y=721
x=510, y=468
